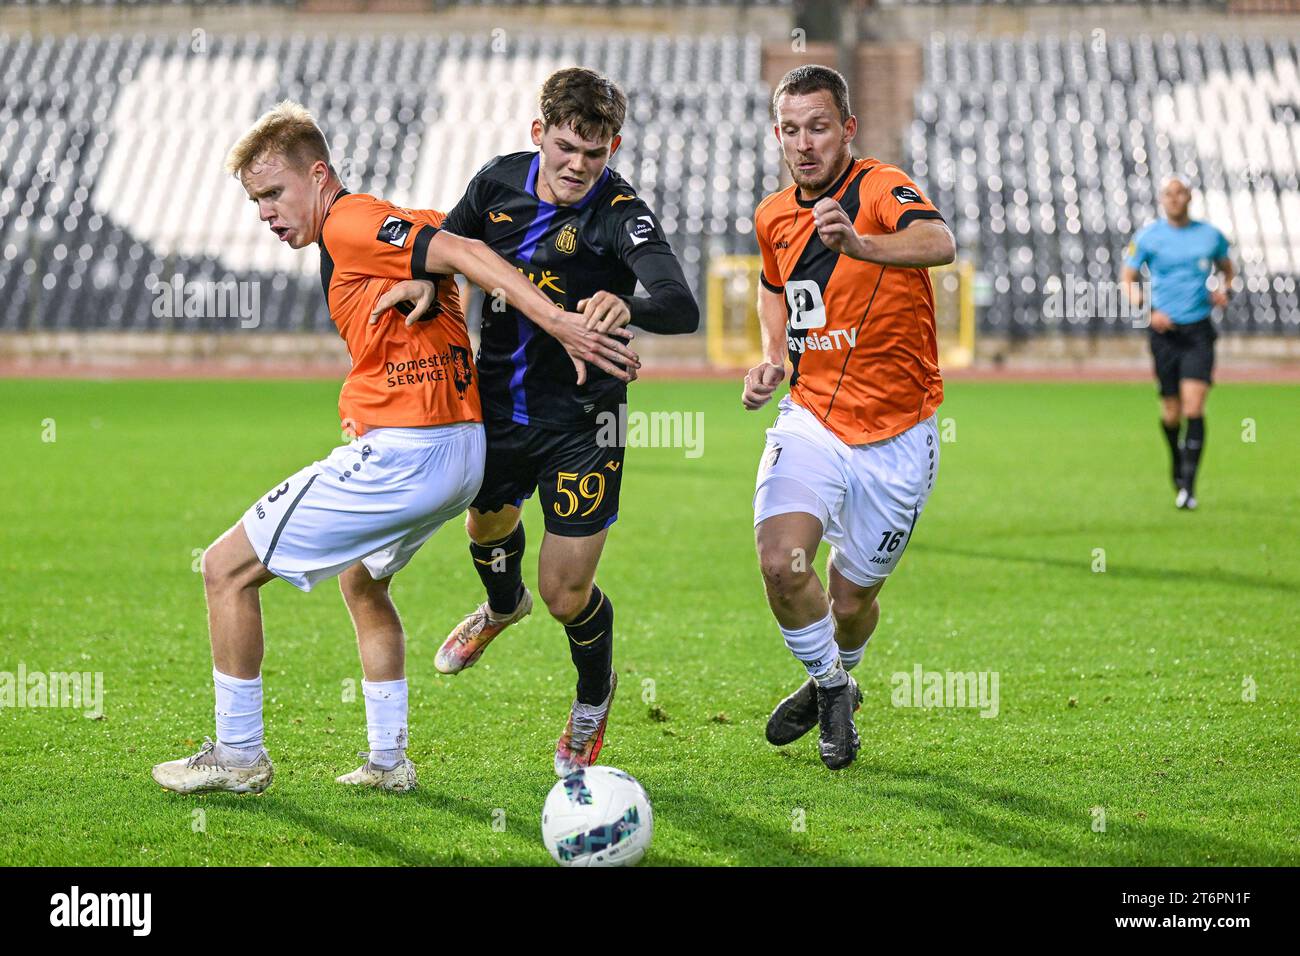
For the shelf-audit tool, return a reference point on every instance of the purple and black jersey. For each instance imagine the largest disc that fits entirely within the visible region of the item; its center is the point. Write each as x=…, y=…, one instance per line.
x=606, y=242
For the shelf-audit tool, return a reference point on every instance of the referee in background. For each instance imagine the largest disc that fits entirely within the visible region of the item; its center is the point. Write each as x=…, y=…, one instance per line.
x=1181, y=254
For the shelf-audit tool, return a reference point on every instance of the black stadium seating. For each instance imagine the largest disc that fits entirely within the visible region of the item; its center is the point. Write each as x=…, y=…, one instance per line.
x=1044, y=153
x=110, y=178
x=1047, y=154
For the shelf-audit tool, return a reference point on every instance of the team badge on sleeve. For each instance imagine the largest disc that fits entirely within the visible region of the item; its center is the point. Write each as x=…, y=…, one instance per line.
x=641, y=228
x=394, y=231
x=906, y=194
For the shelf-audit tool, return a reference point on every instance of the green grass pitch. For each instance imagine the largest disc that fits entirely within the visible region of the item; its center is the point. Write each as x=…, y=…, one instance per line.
x=1125, y=695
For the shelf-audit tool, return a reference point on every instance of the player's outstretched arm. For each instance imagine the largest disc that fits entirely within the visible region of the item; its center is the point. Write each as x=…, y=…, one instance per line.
x=477, y=262
x=762, y=380
x=919, y=245
x=669, y=309
x=473, y=259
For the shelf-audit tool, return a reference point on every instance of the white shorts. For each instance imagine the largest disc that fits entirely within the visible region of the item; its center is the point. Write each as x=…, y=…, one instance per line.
x=867, y=497
x=375, y=500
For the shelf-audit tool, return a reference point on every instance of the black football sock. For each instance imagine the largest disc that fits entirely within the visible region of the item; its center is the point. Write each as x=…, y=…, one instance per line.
x=1193, y=443
x=1171, y=436
x=499, y=565
x=591, y=645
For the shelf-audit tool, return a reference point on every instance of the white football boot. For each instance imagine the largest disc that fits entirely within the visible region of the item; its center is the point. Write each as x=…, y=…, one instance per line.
x=203, y=773
x=398, y=780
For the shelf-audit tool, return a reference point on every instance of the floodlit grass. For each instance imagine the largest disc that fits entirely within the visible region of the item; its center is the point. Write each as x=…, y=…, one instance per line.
x=1127, y=690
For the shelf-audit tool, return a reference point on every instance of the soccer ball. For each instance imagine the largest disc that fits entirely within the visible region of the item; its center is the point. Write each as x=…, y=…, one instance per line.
x=597, y=817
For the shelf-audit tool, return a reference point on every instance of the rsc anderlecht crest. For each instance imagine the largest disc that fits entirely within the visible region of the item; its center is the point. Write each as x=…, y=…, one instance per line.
x=567, y=240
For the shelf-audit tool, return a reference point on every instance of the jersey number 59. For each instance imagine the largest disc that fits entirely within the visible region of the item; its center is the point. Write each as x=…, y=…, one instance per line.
x=591, y=487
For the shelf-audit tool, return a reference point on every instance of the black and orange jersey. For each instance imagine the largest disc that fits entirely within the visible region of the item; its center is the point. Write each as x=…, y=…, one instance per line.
x=401, y=376
x=861, y=336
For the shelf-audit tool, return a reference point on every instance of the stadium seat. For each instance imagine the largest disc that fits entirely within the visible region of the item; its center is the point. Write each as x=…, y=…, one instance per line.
x=101, y=148
x=1046, y=153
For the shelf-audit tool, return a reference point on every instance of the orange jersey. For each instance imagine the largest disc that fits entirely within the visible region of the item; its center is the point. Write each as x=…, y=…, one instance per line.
x=861, y=336
x=421, y=375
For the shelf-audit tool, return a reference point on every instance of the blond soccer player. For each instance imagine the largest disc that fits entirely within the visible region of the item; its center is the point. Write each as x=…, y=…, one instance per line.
x=361, y=512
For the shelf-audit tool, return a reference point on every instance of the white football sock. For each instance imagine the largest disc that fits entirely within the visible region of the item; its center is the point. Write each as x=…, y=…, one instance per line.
x=239, y=712
x=851, y=659
x=837, y=676
x=237, y=756
x=814, y=646
x=386, y=759
x=386, y=703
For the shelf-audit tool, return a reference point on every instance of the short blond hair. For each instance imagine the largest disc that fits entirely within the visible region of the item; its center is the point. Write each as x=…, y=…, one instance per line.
x=288, y=130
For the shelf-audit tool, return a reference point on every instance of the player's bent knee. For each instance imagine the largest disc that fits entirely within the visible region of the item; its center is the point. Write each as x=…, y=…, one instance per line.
x=486, y=527
x=216, y=566
x=206, y=569
x=1193, y=403
x=227, y=578
x=229, y=564
x=850, y=600
x=848, y=605
x=565, y=601
x=783, y=572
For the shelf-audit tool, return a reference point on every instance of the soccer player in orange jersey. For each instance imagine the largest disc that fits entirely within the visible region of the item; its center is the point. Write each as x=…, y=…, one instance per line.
x=853, y=454
x=412, y=401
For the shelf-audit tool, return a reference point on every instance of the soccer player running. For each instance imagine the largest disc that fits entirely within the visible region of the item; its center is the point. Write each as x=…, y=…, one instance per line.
x=1181, y=253
x=853, y=454
x=581, y=233
x=362, y=511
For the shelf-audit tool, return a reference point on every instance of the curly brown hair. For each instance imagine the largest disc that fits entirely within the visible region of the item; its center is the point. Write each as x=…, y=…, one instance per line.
x=592, y=104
